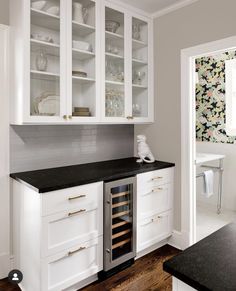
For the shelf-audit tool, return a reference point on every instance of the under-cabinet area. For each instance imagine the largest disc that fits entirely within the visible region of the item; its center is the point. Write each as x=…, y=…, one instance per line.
x=80, y=61
x=77, y=233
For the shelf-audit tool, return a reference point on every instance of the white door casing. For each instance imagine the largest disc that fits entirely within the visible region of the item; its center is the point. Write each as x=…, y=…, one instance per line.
x=188, y=144
x=4, y=155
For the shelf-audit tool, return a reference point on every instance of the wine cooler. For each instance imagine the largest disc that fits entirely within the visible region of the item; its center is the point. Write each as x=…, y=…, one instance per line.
x=119, y=224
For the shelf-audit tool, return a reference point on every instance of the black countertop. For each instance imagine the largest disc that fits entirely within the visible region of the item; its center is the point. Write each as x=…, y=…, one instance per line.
x=209, y=264
x=64, y=177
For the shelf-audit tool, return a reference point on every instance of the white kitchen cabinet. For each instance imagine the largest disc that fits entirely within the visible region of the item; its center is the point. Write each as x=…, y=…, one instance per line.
x=154, y=207
x=56, y=249
x=58, y=80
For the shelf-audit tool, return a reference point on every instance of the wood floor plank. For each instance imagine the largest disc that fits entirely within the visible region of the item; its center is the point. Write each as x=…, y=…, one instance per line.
x=145, y=275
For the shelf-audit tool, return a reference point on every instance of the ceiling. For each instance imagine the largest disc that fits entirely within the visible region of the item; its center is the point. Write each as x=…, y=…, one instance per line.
x=155, y=6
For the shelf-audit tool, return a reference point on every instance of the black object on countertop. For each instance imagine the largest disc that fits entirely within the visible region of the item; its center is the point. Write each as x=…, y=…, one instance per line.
x=64, y=177
x=210, y=264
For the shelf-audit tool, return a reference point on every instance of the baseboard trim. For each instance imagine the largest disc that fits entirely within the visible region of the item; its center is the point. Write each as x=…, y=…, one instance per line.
x=179, y=240
x=5, y=265
x=82, y=284
x=151, y=249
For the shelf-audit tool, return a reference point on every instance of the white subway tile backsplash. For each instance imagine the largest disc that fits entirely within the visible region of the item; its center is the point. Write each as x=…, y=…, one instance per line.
x=37, y=147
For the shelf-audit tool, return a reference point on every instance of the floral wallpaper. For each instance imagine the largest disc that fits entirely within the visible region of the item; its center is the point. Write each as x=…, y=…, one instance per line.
x=210, y=98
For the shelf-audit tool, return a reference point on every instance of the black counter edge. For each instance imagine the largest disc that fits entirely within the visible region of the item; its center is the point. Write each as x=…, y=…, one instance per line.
x=192, y=283
x=89, y=181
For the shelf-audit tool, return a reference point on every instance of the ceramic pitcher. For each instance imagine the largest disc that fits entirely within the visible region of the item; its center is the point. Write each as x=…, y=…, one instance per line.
x=79, y=13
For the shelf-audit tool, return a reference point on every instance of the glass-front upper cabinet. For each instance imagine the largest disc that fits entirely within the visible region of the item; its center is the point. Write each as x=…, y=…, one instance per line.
x=140, y=68
x=45, y=60
x=114, y=61
x=84, y=88
x=127, y=47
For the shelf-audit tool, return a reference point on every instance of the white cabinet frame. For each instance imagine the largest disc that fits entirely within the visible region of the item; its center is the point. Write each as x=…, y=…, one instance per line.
x=20, y=19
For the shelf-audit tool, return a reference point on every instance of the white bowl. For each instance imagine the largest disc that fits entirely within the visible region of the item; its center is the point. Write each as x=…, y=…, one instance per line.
x=38, y=5
x=82, y=45
x=53, y=10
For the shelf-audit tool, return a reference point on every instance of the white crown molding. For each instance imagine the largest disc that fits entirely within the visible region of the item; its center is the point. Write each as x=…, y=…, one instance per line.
x=132, y=8
x=173, y=7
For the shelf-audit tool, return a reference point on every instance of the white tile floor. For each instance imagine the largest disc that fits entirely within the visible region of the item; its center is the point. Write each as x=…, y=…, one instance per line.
x=208, y=221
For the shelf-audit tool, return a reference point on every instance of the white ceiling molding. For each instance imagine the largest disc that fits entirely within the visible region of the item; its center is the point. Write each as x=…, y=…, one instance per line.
x=130, y=7
x=173, y=7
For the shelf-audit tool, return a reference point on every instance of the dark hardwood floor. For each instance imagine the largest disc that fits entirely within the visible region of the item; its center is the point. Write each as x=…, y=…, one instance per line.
x=145, y=275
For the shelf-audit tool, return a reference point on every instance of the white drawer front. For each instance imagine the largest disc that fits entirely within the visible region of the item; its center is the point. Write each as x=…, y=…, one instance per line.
x=63, y=230
x=155, y=200
x=71, y=198
x=153, y=179
x=153, y=230
x=64, y=270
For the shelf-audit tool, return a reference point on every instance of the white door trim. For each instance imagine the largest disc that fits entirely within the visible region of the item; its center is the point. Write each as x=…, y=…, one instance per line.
x=4, y=154
x=188, y=180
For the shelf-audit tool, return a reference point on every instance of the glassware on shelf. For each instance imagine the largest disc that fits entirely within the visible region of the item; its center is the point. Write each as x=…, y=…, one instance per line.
x=41, y=61
x=114, y=103
x=138, y=77
x=136, y=29
x=136, y=109
x=110, y=48
x=114, y=72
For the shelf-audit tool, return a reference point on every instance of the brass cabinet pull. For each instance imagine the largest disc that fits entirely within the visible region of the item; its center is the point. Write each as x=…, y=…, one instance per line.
x=76, y=197
x=157, y=178
x=76, y=212
x=157, y=189
x=65, y=117
x=129, y=117
x=70, y=116
x=76, y=251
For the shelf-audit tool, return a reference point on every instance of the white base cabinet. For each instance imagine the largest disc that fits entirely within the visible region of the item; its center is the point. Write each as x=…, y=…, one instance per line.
x=154, y=207
x=57, y=247
x=178, y=285
x=58, y=236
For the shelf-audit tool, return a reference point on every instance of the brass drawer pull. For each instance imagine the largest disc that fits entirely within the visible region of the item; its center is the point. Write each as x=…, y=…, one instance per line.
x=157, y=190
x=76, y=197
x=157, y=178
x=129, y=117
x=76, y=251
x=76, y=212
x=65, y=117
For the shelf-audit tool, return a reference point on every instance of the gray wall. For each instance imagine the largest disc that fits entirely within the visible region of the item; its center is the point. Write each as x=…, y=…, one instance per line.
x=38, y=147
x=4, y=11
x=201, y=22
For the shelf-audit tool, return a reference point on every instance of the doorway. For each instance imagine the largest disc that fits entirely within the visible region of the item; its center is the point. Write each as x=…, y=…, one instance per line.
x=188, y=132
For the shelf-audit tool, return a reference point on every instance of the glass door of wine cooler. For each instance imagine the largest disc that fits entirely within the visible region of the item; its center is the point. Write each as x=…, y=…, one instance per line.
x=119, y=222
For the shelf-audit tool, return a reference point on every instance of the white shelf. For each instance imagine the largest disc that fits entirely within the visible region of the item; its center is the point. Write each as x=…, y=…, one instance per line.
x=51, y=48
x=136, y=86
x=113, y=35
x=82, y=55
x=138, y=44
x=44, y=19
x=114, y=56
x=82, y=29
x=114, y=83
x=139, y=62
x=44, y=75
x=83, y=80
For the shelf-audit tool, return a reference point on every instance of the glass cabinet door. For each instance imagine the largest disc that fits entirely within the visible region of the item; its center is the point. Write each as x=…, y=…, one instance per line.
x=45, y=71
x=114, y=63
x=83, y=73
x=120, y=221
x=139, y=68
